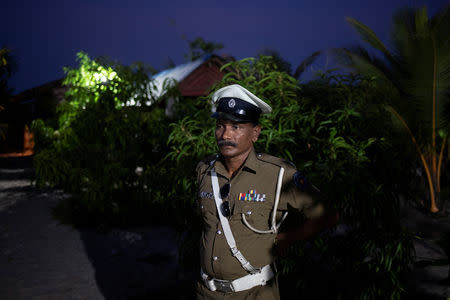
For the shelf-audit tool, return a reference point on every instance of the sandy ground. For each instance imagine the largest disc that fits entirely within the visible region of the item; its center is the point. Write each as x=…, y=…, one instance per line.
x=40, y=258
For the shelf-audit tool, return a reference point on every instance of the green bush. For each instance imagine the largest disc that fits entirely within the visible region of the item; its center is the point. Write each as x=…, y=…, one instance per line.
x=332, y=129
x=351, y=156
x=103, y=145
x=131, y=163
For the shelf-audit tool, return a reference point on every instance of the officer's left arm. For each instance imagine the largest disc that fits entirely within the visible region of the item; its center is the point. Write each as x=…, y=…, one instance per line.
x=307, y=229
x=302, y=195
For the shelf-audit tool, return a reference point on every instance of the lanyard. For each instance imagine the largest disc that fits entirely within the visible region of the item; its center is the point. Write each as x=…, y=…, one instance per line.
x=226, y=227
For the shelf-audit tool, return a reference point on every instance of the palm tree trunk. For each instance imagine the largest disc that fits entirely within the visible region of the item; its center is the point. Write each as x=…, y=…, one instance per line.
x=433, y=207
x=430, y=179
x=434, y=118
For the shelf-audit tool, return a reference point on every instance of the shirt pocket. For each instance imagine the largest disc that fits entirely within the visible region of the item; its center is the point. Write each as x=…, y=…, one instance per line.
x=257, y=214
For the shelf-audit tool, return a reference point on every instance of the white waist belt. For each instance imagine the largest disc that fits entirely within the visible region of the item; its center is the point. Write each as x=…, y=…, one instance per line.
x=240, y=284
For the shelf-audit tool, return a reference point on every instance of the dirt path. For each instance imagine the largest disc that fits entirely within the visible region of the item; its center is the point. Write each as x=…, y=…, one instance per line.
x=42, y=259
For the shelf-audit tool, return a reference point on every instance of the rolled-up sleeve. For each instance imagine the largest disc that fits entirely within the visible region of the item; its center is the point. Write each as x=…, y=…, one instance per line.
x=297, y=195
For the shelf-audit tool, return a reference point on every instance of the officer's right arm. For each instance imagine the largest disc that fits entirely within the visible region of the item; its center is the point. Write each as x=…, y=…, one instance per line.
x=199, y=170
x=202, y=169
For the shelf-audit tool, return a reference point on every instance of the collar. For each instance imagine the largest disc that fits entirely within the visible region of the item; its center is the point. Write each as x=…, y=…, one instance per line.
x=251, y=164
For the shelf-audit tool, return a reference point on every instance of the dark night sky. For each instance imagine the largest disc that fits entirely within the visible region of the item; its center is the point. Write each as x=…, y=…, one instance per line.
x=46, y=35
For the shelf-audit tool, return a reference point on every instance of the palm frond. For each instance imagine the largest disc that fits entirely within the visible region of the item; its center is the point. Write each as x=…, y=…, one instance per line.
x=421, y=21
x=440, y=25
x=380, y=64
x=402, y=29
x=419, y=68
x=305, y=63
x=428, y=80
x=360, y=61
x=369, y=36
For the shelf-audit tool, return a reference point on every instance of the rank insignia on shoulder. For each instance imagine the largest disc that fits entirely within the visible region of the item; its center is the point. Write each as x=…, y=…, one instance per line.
x=252, y=195
x=301, y=182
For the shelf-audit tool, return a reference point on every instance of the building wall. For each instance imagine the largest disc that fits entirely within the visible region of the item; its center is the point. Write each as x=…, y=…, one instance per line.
x=200, y=81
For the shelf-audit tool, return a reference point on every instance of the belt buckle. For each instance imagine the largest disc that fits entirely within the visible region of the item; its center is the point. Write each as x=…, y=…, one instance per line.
x=224, y=286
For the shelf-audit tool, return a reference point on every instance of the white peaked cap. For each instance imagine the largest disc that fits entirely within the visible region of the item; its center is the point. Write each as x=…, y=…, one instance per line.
x=239, y=92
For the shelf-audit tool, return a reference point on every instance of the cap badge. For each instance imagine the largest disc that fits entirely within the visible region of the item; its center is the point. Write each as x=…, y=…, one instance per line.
x=231, y=103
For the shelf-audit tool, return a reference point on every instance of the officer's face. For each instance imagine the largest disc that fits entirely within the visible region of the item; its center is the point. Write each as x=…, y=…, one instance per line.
x=235, y=139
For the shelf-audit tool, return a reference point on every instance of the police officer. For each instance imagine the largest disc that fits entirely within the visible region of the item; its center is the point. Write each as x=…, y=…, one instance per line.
x=243, y=197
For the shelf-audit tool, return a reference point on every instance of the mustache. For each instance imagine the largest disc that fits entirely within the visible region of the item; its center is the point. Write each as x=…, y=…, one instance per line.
x=223, y=143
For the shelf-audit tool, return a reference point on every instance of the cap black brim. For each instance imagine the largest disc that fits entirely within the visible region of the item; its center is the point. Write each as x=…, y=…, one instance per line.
x=231, y=117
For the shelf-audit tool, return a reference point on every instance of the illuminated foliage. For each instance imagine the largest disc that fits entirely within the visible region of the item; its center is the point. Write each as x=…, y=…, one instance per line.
x=101, y=141
x=90, y=80
x=126, y=86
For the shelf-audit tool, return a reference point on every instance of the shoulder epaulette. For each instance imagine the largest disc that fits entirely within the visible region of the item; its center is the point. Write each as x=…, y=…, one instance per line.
x=204, y=165
x=280, y=162
x=209, y=159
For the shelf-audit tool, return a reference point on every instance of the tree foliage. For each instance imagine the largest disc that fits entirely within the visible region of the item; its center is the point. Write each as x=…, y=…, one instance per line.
x=332, y=131
x=125, y=163
x=199, y=47
x=7, y=68
x=107, y=134
x=414, y=83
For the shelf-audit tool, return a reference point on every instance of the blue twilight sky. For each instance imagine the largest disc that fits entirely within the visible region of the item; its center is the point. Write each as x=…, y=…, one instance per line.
x=45, y=35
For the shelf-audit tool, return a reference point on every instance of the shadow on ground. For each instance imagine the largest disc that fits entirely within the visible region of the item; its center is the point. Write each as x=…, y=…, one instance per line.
x=42, y=258
x=137, y=263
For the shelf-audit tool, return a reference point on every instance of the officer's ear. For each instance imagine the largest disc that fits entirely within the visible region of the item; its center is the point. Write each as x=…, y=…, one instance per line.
x=256, y=131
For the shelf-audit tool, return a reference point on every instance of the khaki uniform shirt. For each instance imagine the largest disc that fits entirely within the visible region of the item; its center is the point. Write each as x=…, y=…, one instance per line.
x=252, y=192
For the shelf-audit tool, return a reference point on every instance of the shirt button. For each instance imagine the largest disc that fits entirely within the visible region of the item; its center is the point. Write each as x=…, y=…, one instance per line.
x=219, y=232
x=215, y=258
